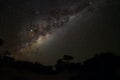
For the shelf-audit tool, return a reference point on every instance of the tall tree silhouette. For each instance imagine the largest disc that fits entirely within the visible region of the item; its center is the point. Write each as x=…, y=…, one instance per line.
x=1, y=42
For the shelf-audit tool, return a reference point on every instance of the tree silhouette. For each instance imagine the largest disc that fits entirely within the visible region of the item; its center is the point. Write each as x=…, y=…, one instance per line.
x=60, y=66
x=59, y=61
x=1, y=42
x=67, y=58
x=6, y=53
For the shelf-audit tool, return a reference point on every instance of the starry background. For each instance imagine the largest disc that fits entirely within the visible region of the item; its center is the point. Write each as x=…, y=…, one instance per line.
x=45, y=30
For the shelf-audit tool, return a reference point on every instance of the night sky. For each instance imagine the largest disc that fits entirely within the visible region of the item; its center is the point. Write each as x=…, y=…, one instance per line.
x=45, y=30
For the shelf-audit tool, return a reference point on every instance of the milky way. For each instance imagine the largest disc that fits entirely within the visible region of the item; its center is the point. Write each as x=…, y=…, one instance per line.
x=45, y=30
x=35, y=32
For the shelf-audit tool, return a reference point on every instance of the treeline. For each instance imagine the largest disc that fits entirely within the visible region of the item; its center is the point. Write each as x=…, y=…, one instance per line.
x=10, y=63
x=102, y=66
